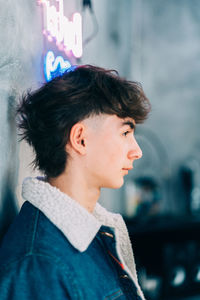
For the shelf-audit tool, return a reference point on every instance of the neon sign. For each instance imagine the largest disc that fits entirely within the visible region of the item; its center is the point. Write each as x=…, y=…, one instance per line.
x=66, y=33
x=54, y=66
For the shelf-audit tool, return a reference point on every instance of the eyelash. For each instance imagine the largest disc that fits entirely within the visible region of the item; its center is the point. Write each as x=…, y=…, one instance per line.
x=126, y=132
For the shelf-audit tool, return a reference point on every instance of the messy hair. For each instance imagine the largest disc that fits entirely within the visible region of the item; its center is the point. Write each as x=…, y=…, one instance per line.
x=46, y=116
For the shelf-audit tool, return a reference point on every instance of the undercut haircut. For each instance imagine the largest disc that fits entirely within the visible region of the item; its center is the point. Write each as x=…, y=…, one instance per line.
x=46, y=116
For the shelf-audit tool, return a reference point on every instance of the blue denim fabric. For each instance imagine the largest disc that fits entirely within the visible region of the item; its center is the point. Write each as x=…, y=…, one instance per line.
x=38, y=262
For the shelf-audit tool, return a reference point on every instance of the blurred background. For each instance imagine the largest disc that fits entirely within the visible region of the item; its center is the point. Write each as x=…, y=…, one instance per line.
x=157, y=43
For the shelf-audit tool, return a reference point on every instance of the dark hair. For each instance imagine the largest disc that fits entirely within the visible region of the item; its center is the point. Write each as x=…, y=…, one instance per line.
x=47, y=115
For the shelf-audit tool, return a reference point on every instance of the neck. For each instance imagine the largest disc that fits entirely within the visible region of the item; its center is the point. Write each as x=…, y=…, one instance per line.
x=75, y=185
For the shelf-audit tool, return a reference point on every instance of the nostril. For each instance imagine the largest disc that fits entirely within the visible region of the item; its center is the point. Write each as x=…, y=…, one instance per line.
x=135, y=155
x=140, y=154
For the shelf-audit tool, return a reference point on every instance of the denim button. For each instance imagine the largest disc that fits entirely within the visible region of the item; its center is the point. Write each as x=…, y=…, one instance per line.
x=124, y=276
x=107, y=234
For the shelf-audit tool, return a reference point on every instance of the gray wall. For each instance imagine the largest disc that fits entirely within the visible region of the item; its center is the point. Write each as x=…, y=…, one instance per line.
x=20, y=52
x=168, y=65
x=167, y=47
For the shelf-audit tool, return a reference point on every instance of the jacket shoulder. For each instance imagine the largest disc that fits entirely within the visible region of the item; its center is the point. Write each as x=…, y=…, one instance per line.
x=32, y=233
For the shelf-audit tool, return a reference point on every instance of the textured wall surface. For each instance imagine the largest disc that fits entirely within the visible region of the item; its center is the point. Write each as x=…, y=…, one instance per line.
x=165, y=58
x=20, y=44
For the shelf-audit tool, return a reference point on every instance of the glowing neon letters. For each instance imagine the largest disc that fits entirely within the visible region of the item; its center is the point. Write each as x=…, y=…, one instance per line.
x=68, y=34
x=54, y=66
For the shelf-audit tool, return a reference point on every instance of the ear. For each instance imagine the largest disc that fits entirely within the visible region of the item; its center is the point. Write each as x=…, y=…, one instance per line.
x=77, y=138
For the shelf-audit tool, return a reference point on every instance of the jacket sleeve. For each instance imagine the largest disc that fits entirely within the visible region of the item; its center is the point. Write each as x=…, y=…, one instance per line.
x=36, y=277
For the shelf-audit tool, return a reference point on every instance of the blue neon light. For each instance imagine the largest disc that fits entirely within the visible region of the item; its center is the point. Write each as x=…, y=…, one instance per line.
x=55, y=66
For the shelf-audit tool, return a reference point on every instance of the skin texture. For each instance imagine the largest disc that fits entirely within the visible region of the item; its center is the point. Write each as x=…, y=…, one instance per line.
x=101, y=151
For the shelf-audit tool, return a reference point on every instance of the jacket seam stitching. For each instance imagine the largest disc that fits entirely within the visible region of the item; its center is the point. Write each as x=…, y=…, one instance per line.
x=29, y=254
x=34, y=230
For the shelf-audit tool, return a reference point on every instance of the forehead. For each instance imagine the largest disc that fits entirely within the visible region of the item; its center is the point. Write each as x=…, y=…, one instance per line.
x=108, y=122
x=115, y=121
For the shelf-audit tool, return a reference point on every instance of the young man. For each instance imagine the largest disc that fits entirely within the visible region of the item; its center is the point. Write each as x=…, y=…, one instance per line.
x=63, y=244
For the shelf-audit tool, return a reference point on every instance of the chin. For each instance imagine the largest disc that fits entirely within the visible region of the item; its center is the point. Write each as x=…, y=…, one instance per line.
x=116, y=185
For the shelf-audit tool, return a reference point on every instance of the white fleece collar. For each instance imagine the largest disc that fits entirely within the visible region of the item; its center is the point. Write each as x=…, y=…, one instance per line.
x=77, y=224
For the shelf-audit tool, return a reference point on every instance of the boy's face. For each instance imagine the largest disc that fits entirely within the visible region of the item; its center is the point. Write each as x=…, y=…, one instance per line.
x=111, y=150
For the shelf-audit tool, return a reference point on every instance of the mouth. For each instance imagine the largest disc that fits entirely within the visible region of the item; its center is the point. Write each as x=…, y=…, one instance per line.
x=127, y=169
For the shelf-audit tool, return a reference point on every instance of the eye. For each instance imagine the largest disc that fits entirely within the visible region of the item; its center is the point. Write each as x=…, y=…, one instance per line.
x=125, y=133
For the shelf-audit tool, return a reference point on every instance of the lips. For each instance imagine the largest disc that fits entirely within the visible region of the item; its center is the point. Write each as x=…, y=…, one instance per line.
x=128, y=169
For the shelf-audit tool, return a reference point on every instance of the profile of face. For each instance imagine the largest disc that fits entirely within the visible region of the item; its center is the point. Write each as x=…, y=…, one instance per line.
x=110, y=150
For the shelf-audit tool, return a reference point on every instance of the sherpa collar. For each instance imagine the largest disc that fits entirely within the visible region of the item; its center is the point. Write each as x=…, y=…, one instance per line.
x=78, y=225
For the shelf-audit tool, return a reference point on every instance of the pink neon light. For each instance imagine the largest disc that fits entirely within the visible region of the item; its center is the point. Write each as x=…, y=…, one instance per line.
x=50, y=39
x=66, y=33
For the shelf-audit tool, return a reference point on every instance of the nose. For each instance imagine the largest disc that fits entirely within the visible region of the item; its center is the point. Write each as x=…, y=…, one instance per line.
x=135, y=151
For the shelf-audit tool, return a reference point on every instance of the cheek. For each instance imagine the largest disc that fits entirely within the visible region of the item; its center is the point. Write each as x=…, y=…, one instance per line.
x=108, y=150
x=116, y=153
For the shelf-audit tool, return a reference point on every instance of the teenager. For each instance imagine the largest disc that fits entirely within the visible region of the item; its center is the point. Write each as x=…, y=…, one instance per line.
x=64, y=244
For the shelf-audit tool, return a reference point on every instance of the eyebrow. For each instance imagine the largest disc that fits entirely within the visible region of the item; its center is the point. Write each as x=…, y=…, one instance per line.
x=129, y=123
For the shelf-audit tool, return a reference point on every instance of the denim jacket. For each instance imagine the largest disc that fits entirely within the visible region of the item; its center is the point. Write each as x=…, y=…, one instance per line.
x=40, y=260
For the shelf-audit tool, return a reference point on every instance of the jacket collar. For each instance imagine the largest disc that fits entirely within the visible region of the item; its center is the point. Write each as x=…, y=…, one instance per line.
x=77, y=224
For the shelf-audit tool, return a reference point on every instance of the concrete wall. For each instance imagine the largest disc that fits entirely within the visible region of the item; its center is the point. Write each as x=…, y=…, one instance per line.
x=165, y=58
x=20, y=52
